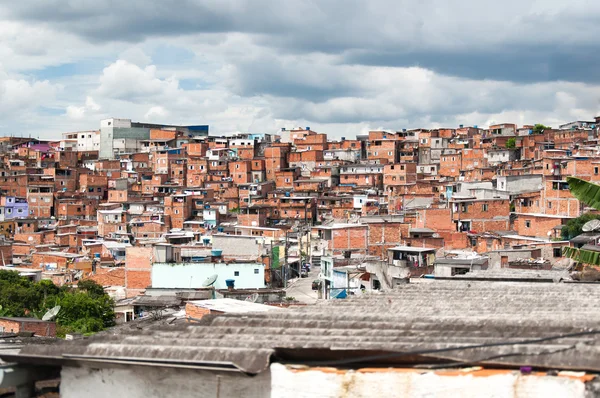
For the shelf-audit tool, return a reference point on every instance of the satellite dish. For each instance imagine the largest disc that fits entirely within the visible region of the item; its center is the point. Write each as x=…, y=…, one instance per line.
x=590, y=226
x=210, y=280
x=51, y=314
x=252, y=298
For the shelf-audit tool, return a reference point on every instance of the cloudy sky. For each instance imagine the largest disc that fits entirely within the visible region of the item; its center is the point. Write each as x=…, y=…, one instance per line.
x=339, y=66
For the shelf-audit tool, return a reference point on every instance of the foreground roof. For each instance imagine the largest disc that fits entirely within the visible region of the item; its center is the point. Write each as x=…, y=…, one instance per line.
x=489, y=323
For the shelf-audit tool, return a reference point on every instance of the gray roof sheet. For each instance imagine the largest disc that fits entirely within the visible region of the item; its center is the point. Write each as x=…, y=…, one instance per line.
x=495, y=324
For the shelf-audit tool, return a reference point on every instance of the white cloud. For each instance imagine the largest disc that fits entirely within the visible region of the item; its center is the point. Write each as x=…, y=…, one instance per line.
x=18, y=95
x=80, y=112
x=156, y=113
x=125, y=81
x=136, y=56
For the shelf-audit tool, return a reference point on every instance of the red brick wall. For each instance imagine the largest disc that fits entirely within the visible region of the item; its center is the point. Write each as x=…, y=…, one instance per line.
x=349, y=238
x=138, y=269
x=383, y=236
x=194, y=311
x=45, y=329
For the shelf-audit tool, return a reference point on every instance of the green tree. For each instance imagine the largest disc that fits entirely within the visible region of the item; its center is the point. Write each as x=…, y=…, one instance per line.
x=574, y=225
x=539, y=128
x=85, y=309
x=81, y=311
x=511, y=143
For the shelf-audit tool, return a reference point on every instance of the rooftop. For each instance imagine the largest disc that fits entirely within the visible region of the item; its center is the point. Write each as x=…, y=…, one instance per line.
x=544, y=326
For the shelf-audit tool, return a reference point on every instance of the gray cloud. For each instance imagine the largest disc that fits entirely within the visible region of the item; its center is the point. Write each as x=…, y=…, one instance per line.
x=525, y=41
x=341, y=64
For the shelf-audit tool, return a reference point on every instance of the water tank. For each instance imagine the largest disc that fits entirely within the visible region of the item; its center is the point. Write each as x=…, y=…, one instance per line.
x=460, y=126
x=230, y=283
x=475, y=126
x=404, y=130
x=220, y=229
x=307, y=128
x=283, y=129
x=287, y=194
x=216, y=252
x=343, y=138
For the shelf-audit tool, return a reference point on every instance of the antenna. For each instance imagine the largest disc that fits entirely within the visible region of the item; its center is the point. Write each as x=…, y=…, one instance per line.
x=209, y=282
x=591, y=226
x=51, y=314
x=252, y=298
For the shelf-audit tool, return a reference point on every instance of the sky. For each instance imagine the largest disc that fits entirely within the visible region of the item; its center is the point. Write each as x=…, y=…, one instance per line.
x=341, y=67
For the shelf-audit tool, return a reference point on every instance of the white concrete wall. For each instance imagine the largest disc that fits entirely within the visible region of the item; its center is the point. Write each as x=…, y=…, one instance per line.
x=149, y=382
x=192, y=275
x=283, y=381
x=329, y=383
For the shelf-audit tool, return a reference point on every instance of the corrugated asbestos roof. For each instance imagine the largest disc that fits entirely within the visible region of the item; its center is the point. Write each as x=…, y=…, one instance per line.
x=437, y=322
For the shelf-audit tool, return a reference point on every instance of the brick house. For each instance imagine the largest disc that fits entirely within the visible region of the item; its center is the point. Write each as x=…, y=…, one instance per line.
x=19, y=325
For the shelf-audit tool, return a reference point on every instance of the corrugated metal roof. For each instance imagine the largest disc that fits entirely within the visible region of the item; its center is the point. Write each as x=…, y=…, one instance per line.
x=502, y=324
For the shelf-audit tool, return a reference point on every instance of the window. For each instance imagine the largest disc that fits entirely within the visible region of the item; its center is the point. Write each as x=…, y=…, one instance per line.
x=595, y=170
x=557, y=252
x=91, y=189
x=484, y=207
x=390, y=153
x=549, y=204
x=236, y=273
x=527, y=224
x=256, y=270
x=99, y=189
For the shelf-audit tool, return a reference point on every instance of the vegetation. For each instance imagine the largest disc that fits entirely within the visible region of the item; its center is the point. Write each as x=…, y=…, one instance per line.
x=588, y=193
x=85, y=309
x=511, y=143
x=574, y=225
x=539, y=128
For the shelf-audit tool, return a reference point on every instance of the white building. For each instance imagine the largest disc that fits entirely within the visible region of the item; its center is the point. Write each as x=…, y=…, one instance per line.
x=88, y=141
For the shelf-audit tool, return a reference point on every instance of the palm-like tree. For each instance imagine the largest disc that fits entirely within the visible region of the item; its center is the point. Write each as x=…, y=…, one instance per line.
x=588, y=193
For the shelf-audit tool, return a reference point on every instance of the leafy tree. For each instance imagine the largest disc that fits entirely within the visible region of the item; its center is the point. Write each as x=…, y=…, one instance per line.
x=511, y=143
x=574, y=226
x=80, y=310
x=539, y=128
x=91, y=287
x=85, y=309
